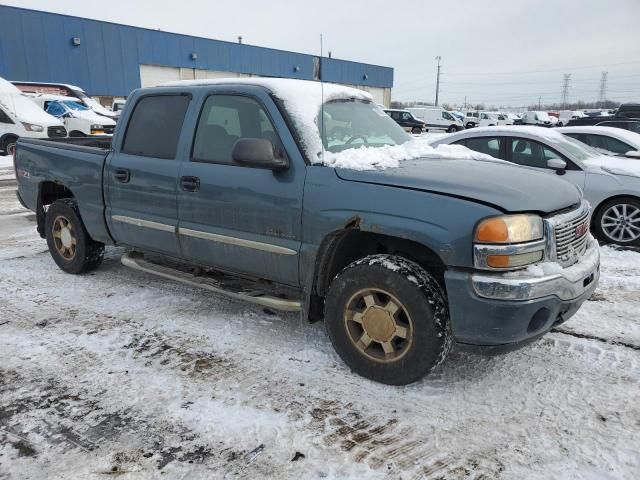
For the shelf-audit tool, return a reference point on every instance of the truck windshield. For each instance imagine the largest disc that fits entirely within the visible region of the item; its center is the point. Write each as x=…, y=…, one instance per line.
x=355, y=123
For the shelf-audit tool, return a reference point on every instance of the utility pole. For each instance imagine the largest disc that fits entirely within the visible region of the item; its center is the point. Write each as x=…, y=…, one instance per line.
x=603, y=88
x=438, y=58
x=465, y=102
x=565, y=89
x=540, y=103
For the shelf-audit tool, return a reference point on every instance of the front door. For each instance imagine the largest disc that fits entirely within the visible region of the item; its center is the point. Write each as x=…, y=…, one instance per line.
x=141, y=178
x=236, y=218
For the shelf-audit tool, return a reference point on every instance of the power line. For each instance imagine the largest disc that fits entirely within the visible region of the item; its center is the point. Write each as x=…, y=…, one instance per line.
x=546, y=71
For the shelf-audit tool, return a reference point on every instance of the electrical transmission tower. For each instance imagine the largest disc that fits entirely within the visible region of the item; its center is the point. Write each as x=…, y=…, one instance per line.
x=438, y=58
x=565, y=89
x=602, y=97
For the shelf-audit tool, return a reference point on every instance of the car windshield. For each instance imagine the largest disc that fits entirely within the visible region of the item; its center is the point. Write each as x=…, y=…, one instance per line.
x=355, y=123
x=577, y=149
x=71, y=105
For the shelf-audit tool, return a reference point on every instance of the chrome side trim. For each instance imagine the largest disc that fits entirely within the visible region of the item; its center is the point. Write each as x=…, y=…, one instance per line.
x=137, y=262
x=138, y=222
x=239, y=242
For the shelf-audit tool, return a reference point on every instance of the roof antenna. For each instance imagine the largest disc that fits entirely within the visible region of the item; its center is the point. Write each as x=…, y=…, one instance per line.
x=320, y=76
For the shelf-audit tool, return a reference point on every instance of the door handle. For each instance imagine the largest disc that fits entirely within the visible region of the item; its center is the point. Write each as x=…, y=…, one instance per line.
x=190, y=184
x=122, y=175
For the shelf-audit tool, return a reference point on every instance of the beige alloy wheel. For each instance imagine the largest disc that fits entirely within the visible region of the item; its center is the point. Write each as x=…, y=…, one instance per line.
x=64, y=238
x=378, y=325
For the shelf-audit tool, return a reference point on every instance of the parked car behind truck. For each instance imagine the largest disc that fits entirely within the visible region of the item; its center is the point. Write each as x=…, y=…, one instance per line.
x=19, y=117
x=239, y=176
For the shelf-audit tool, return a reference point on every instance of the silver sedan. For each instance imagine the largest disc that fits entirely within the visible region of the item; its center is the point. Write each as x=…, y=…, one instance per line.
x=610, y=184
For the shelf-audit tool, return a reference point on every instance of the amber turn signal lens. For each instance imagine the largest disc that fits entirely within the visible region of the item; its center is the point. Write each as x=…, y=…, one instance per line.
x=492, y=230
x=498, y=261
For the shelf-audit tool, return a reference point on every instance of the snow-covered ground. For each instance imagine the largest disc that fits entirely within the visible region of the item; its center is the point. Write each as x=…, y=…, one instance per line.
x=117, y=372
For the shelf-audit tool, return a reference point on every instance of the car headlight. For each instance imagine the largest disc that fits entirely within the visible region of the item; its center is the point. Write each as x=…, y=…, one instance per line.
x=97, y=127
x=30, y=127
x=509, y=241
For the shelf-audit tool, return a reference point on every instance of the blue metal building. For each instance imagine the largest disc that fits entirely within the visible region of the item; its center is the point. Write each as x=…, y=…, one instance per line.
x=108, y=59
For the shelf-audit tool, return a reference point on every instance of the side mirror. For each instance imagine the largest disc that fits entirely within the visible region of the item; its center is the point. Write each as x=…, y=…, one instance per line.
x=258, y=153
x=633, y=154
x=557, y=164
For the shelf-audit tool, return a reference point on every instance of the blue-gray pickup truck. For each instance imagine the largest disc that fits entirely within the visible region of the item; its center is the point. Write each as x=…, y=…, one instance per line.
x=306, y=197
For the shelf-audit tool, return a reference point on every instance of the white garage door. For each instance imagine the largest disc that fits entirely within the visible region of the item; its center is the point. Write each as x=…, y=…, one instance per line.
x=152, y=75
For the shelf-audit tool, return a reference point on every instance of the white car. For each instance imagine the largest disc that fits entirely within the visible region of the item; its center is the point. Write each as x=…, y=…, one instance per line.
x=19, y=117
x=540, y=119
x=608, y=140
x=437, y=118
x=79, y=120
x=610, y=184
x=504, y=119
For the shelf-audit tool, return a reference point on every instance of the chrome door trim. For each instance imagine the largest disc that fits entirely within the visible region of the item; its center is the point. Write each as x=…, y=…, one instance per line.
x=239, y=242
x=138, y=222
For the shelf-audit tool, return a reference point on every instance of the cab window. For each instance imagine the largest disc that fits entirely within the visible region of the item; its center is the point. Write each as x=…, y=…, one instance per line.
x=4, y=118
x=224, y=119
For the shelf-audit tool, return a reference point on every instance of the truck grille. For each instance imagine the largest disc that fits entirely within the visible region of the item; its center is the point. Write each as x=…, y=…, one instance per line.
x=572, y=237
x=56, y=132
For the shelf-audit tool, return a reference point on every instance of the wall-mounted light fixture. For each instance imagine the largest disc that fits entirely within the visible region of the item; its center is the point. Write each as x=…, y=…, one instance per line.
x=365, y=76
x=194, y=56
x=296, y=68
x=75, y=41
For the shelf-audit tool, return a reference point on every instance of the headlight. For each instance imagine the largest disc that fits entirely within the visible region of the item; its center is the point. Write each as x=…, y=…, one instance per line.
x=508, y=242
x=97, y=127
x=30, y=127
x=509, y=229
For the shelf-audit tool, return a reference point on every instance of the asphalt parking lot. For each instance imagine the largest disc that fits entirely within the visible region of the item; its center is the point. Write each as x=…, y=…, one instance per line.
x=120, y=373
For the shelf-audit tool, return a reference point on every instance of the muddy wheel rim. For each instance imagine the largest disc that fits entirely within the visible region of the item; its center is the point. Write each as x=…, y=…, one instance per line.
x=378, y=325
x=621, y=223
x=11, y=149
x=64, y=238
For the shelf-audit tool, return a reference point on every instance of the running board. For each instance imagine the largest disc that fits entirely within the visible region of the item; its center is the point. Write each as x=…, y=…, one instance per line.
x=136, y=261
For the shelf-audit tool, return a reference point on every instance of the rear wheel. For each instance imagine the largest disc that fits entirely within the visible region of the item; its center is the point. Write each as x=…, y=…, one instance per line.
x=388, y=319
x=618, y=221
x=416, y=130
x=71, y=247
x=470, y=125
x=9, y=145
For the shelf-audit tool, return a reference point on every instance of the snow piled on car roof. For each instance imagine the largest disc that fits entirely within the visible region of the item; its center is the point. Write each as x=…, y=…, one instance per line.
x=303, y=100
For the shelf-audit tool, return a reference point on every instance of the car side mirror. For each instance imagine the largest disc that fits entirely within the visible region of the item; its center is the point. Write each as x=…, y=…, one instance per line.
x=633, y=154
x=258, y=153
x=557, y=164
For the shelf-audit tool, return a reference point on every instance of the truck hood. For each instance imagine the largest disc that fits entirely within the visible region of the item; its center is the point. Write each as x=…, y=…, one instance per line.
x=501, y=184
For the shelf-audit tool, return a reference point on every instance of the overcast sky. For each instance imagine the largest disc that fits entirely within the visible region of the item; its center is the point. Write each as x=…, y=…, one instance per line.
x=500, y=52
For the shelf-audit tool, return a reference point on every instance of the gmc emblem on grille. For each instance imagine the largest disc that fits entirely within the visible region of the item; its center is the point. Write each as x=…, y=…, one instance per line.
x=582, y=229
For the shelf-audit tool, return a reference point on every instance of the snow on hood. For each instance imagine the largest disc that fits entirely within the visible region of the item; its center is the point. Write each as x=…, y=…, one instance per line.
x=629, y=167
x=303, y=100
x=372, y=158
x=24, y=110
x=91, y=116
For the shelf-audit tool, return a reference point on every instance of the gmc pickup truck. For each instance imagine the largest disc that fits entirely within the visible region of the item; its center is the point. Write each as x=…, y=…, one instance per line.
x=232, y=186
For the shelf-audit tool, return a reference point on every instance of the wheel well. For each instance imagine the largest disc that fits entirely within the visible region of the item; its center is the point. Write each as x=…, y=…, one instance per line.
x=5, y=137
x=596, y=210
x=48, y=192
x=343, y=247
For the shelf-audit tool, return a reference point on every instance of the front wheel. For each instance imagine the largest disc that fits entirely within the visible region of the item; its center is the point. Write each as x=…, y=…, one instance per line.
x=71, y=247
x=388, y=319
x=9, y=145
x=470, y=125
x=416, y=130
x=452, y=129
x=618, y=221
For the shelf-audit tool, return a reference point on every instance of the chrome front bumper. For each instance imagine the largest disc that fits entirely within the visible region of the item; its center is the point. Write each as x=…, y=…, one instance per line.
x=567, y=284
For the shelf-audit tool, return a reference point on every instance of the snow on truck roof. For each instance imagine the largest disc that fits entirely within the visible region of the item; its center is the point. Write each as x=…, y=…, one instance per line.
x=303, y=100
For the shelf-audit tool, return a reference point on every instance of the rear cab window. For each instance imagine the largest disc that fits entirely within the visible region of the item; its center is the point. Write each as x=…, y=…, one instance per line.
x=155, y=125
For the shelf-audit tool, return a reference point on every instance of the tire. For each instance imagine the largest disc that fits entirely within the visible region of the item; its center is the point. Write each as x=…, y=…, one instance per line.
x=76, y=134
x=618, y=221
x=360, y=301
x=470, y=125
x=9, y=145
x=71, y=247
x=452, y=129
x=416, y=130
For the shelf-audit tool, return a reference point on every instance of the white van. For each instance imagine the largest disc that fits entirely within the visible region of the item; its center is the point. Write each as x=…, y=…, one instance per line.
x=19, y=117
x=79, y=120
x=437, y=118
x=541, y=119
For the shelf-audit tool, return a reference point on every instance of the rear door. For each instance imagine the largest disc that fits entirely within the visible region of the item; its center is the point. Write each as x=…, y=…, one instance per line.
x=233, y=217
x=141, y=175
